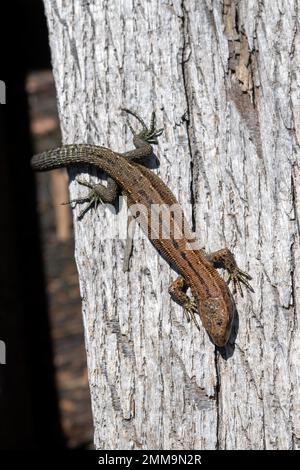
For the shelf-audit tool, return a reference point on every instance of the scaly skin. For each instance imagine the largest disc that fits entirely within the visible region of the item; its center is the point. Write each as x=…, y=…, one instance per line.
x=212, y=299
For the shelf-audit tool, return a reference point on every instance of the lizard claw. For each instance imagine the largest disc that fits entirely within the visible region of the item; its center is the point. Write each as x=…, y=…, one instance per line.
x=239, y=277
x=150, y=134
x=190, y=309
x=93, y=199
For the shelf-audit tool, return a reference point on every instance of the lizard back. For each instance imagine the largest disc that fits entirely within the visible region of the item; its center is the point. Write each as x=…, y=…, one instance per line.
x=147, y=192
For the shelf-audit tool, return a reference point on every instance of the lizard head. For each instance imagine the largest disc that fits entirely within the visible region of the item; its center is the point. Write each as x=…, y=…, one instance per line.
x=217, y=316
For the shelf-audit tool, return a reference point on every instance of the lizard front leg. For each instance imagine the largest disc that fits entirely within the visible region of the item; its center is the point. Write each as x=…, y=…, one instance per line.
x=177, y=291
x=225, y=259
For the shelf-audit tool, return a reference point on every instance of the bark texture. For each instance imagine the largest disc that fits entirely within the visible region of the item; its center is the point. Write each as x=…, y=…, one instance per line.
x=224, y=79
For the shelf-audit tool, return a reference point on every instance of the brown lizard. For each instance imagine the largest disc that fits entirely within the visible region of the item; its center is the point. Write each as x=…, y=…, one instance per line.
x=211, y=298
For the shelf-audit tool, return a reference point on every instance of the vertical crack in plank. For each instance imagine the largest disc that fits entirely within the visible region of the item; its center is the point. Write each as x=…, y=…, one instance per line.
x=186, y=53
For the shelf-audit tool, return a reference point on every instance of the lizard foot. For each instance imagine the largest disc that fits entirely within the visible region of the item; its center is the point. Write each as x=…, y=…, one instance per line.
x=190, y=310
x=225, y=259
x=239, y=277
x=150, y=134
x=93, y=198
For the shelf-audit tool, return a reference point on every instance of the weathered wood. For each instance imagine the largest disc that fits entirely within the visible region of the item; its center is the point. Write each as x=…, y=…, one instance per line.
x=224, y=80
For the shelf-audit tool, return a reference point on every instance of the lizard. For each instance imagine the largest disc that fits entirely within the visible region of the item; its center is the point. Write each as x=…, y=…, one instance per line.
x=211, y=298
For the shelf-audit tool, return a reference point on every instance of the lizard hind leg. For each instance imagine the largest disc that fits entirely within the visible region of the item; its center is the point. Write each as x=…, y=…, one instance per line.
x=177, y=291
x=147, y=134
x=98, y=194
